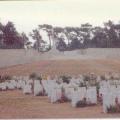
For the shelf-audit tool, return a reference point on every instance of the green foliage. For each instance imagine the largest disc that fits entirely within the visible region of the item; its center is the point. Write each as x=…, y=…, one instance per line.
x=102, y=77
x=86, y=78
x=61, y=45
x=82, y=84
x=33, y=76
x=11, y=37
x=103, y=37
x=97, y=87
x=65, y=79
x=81, y=103
x=58, y=29
x=39, y=78
x=45, y=26
x=63, y=90
x=38, y=39
x=6, y=77
x=112, y=78
x=111, y=109
x=75, y=44
x=25, y=38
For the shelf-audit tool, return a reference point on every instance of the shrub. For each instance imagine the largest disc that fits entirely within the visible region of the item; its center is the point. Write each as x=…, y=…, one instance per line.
x=86, y=78
x=112, y=78
x=113, y=109
x=6, y=77
x=82, y=84
x=39, y=78
x=81, y=103
x=63, y=90
x=63, y=97
x=1, y=81
x=97, y=86
x=102, y=77
x=33, y=76
x=0, y=77
x=66, y=79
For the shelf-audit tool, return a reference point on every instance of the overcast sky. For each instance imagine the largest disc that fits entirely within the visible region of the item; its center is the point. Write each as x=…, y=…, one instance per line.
x=26, y=15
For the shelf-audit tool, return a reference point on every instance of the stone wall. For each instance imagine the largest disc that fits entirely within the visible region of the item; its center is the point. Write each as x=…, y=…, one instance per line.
x=10, y=57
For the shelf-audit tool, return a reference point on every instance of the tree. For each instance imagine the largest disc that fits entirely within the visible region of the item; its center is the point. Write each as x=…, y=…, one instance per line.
x=112, y=36
x=1, y=34
x=10, y=33
x=45, y=26
x=24, y=38
x=67, y=31
x=75, y=44
x=100, y=39
x=117, y=30
x=49, y=30
x=38, y=39
x=61, y=45
x=85, y=31
x=11, y=38
x=57, y=30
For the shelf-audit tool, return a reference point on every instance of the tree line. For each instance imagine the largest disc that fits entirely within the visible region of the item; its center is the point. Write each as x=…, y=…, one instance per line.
x=65, y=38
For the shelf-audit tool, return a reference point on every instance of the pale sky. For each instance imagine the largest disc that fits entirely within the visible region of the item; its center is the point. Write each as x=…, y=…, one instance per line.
x=26, y=15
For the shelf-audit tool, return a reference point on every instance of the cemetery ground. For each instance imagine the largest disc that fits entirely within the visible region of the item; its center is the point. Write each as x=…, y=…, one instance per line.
x=64, y=67
x=14, y=104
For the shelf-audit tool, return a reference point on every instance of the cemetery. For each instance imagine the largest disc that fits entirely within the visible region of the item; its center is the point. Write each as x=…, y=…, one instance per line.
x=82, y=91
x=59, y=60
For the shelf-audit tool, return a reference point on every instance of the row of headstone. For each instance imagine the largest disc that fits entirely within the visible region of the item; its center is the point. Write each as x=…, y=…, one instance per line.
x=110, y=93
x=8, y=85
x=111, y=98
x=27, y=86
x=71, y=91
x=90, y=94
x=50, y=87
